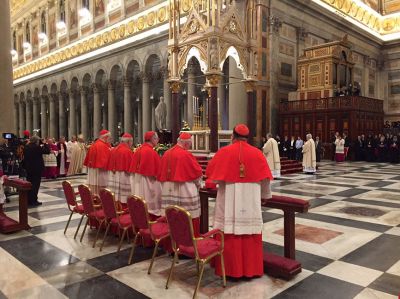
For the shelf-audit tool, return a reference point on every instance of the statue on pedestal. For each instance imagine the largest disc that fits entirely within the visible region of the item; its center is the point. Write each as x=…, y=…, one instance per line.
x=161, y=115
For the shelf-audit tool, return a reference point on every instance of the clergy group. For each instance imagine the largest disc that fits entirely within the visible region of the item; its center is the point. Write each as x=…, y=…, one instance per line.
x=240, y=170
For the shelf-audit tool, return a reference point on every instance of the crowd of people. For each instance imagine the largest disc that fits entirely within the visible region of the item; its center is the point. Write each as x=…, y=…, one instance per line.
x=241, y=171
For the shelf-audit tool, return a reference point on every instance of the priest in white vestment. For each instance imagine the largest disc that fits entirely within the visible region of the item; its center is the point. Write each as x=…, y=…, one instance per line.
x=271, y=152
x=309, y=155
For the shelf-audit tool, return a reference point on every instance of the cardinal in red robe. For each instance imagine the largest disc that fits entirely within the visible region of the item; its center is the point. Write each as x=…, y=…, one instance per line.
x=144, y=169
x=243, y=178
x=118, y=168
x=96, y=161
x=180, y=176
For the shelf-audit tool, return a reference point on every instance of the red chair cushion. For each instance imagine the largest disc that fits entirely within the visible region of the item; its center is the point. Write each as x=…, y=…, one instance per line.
x=124, y=220
x=78, y=209
x=205, y=248
x=273, y=260
x=159, y=229
x=99, y=214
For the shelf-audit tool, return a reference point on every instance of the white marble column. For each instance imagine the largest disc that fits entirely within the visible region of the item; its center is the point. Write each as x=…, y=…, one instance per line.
x=146, y=116
x=84, y=113
x=191, y=92
x=72, y=114
x=36, y=113
x=128, y=115
x=222, y=105
x=43, y=117
x=16, y=118
x=96, y=111
x=237, y=96
x=167, y=100
x=61, y=114
x=21, y=118
x=112, y=125
x=6, y=74
x=140, y=122
x=28, y=114
x=153, y=114
x=53, y=116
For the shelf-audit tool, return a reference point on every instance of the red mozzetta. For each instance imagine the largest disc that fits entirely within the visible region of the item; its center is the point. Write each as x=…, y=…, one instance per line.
x=238, y=163
x=145, y=161
x=120, y=158
x=179, y=165
x=98, y=155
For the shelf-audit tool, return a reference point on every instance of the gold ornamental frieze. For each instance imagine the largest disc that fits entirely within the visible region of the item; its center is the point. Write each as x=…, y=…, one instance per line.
x=125, y=29
x=378, y=23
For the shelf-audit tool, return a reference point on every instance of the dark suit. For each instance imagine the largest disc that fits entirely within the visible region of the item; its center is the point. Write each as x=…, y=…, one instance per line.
x=34, y=165
x=318, y=150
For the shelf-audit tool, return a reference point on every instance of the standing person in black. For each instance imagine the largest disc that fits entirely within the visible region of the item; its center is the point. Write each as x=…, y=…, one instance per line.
x=318, y=149
x=346, y=145
x=370, y=149
x=394, y=150
x=359, y=149
x=381, y=149
x=285, y=147
x=34, y=165
x=292, y=149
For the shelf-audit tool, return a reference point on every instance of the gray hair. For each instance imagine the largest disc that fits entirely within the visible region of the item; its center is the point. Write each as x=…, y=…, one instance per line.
x=269, y=135
x=34, y=139
x=308, y=136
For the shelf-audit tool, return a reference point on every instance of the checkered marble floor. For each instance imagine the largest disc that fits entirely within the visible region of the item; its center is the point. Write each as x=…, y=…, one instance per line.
x=348, y=244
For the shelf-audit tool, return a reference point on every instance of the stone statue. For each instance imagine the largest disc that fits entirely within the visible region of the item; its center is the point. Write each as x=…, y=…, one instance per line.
x=161, y=115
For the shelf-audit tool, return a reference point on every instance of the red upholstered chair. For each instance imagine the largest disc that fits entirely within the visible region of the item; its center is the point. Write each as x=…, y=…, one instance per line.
x=73, y=206
x=202, y=249
x=142, y=226
x=114, y=216
x=92, y=211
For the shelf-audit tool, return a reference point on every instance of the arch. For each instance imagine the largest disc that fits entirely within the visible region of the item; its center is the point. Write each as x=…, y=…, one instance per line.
x=194, y=52
x=53, y=89
x=22, y=96
x=234, y=53
x=63, y=86
x=74, y=84
x=36, y=93
x=116, y=73
x=153, y=64
x=29, y=95
x=87, y=80
x=132, y=70
x=101, y=79
x=44, y=90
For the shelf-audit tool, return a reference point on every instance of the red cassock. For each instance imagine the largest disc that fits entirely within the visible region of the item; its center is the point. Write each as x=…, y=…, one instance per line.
x=120, y=158
x=179, y=165
x=145, y=161
x=240, y=163
x=98, y=155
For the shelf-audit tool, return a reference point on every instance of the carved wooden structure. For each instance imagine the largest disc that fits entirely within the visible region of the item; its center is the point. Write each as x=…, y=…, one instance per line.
x=354, y=115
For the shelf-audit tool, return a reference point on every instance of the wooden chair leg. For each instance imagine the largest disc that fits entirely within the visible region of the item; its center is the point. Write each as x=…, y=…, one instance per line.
x=153, y=256
x=223, y=270
x=199, y=281
x=105, y=235
x=172, y=268
x=79, y=225
x=69, y=220
x=133, y=249
x=84, y=229
x=98, y=233
x=122, y=239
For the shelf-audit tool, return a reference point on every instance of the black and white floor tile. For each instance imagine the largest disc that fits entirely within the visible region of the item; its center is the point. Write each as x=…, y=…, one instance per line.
x=348, y=244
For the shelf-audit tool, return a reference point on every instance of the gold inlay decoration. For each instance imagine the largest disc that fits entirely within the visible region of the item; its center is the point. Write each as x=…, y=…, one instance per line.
x=152, y=19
